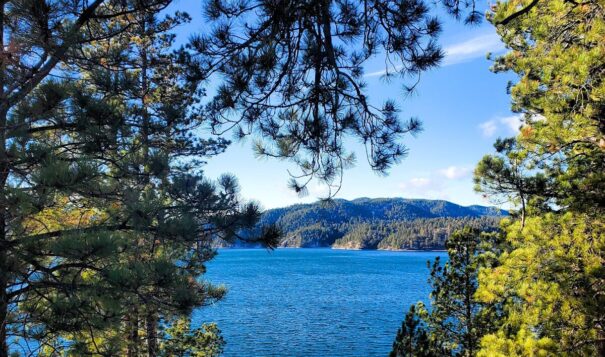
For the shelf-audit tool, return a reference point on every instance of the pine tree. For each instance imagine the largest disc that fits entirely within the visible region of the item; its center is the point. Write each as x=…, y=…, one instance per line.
x=456, y=320
x=412, y=337
x=550, y=283
x=52, y=141
x=102, y=207
x=100, y=211
x=294, y=72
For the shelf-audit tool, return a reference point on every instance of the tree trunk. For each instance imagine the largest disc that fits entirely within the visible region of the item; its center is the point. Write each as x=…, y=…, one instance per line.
x=4, y=274
x=3, y=301
x=133, y=333
x=152, y=338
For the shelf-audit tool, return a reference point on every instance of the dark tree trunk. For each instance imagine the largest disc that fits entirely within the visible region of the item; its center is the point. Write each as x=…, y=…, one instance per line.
x=152, y=326
x=3, y=300
x=4, y=274
x=133, y=333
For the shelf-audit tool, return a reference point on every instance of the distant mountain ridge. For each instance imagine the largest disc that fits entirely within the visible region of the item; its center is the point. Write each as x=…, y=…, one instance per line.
x=321, y=224
x=364, y=209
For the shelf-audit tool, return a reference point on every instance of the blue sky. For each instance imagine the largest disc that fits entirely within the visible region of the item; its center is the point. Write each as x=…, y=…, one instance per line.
x=463, y=106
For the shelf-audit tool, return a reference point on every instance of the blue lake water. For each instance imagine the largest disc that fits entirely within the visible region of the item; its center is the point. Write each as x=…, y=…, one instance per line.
x=314, y=302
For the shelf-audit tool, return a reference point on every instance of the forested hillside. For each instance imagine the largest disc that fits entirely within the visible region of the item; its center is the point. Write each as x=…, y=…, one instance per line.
x=418, y=234
x=382, y=223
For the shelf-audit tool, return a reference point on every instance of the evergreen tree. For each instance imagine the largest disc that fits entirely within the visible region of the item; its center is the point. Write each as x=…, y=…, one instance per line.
x=457, y=320
x=102, y=208
x=507, y=177
x=182, y=341
x=550, y=283
x=100, y=211
x=54, y=135
x=294, y=72
x=412, y=338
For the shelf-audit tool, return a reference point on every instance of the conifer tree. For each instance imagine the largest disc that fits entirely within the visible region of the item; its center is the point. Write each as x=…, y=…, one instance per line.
x=99, y=211
x=294, y=74
x=456, y=320
x=551, y=283
x=52, y=141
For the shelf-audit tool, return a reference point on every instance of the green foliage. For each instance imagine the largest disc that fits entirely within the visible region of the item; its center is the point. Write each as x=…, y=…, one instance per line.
x=412, y=338
x=456, y=320
x=105, y=217
x=550, y=282
x=182, y=341
x=558, y=53
x=302, y=87
x=508, y=177
x=414, y=224
x=554, y=271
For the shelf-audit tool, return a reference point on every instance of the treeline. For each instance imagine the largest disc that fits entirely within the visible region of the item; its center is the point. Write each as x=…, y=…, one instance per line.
x=418, y=234
x=321, y=224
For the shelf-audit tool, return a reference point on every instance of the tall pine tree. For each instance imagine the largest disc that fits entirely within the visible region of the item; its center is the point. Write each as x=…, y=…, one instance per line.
x=551, y=282
x=456, y=320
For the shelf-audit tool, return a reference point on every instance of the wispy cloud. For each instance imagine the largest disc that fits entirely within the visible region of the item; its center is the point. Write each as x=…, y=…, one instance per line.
x=472, y=48
x=455, y=172
x=464, y=51
x=488, y=128
x=423, y=187
x=417, y=182
x=511, y=125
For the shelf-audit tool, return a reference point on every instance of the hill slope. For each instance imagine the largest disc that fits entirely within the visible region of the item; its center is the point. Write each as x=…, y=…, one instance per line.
x=323, y=224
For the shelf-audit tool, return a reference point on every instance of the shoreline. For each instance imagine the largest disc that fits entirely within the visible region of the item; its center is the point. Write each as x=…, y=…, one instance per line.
x=342, y=248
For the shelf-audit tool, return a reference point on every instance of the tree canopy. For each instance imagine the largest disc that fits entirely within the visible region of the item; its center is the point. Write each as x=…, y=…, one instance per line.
x=546, y=282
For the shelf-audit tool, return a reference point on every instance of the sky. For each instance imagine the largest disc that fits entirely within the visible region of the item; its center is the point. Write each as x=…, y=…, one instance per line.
x=463, y=107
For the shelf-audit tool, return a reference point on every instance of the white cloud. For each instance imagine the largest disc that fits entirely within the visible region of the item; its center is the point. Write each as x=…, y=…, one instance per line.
x=383, y=72
x=420, y=182
x=488, y=128
x=460, y=52
x=469, y=49
x=510, y=125
x=317, y=189
x=422, y=187
x=455, y=172
x=416, y=183
x=475, y=47
x=513, y=123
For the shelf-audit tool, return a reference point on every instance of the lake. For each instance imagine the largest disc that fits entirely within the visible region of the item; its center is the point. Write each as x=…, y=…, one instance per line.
x=314, y=302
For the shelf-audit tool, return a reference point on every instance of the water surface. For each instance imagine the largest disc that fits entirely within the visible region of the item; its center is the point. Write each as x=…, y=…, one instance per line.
x=314, y=302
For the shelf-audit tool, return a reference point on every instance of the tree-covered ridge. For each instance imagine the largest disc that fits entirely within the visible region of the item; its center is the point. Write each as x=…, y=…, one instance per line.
x=413, y=223
x=418, y=234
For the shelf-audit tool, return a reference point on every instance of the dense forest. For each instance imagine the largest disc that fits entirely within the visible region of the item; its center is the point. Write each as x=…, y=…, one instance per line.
x=417, y=234
x=414, y=223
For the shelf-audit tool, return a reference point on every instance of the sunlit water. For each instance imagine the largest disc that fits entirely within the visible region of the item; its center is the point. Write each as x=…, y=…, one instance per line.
x=314, y=302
